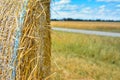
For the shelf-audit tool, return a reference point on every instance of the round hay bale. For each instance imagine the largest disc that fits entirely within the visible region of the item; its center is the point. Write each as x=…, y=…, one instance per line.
x=25, y=41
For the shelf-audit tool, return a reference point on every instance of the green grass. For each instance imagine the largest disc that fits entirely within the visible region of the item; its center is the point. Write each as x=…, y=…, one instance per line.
x=81, y=56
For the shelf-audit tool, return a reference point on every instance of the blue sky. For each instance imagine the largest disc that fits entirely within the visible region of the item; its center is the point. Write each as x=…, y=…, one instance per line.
x=86, y=9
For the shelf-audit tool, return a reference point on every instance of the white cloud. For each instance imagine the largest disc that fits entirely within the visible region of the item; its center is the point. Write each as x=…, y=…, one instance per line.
x=64, y=9
x=64, y=5
x=86, y=10
x=102, y=9
x=63, y=2
x=108, y=0
x=93, y=15
x=118, y=5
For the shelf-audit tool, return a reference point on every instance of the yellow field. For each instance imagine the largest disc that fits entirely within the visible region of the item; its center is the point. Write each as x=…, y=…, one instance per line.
x=107, y=26
x=85, y=57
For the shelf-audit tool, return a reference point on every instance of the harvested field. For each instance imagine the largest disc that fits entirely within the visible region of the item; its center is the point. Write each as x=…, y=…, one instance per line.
x=102, y=26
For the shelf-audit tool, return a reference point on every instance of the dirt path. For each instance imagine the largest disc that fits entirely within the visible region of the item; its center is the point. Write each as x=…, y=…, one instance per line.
x=101, y=33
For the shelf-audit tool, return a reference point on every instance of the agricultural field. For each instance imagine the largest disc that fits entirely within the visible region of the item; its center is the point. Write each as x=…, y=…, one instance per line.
x=85, y=57
x=102, y=26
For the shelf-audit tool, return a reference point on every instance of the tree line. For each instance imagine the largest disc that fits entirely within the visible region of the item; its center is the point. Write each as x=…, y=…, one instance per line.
x=96, y=20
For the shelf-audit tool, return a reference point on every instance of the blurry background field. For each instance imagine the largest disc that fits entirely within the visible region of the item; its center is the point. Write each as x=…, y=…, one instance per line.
x=102, y=26
x=85, y=57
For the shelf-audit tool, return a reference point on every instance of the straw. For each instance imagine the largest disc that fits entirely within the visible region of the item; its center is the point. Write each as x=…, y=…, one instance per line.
x=25, y=42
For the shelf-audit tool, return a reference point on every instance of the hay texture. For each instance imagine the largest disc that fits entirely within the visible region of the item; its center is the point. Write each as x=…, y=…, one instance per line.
x=25, y=42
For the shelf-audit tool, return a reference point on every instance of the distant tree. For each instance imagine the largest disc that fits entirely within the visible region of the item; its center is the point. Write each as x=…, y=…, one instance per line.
x=97, y=20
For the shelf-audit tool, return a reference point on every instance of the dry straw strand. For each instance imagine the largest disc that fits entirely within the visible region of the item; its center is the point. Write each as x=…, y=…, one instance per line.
x=25, y=41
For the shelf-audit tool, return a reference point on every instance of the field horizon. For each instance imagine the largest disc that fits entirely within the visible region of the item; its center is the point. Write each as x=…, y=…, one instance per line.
x=88, y=25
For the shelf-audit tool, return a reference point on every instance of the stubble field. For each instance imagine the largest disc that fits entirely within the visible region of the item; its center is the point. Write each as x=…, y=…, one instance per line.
x=102, y=26
x=85, y=57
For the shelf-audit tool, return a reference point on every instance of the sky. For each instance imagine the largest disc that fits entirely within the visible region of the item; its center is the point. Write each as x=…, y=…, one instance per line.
x=86, y=9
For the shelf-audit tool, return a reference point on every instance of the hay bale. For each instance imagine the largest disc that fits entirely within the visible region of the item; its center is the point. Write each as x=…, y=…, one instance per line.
x=25, y=42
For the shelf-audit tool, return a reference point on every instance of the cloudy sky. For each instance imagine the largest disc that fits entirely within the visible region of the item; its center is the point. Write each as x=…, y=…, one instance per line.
x=86, y=9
